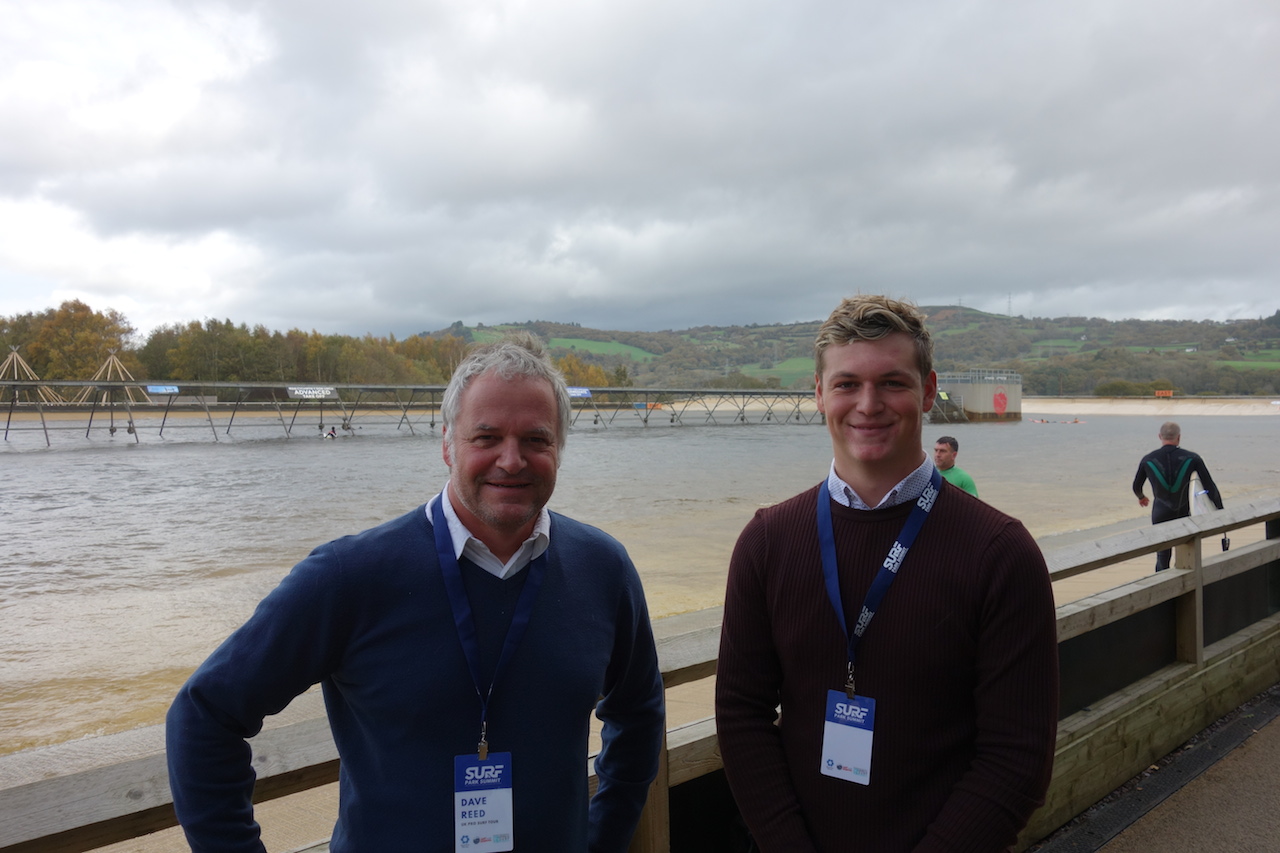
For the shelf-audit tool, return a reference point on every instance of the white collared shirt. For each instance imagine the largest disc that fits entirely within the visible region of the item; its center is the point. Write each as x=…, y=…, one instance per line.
x=465, y=544
x=911, y=487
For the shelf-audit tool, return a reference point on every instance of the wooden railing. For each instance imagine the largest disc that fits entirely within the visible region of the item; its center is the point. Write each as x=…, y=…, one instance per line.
x=1144, y=666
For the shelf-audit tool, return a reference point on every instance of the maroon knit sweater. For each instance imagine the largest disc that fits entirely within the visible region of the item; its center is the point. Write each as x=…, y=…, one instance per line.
x=961, y=659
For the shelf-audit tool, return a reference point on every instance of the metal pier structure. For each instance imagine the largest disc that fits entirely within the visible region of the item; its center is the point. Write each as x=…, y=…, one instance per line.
x=300, y=409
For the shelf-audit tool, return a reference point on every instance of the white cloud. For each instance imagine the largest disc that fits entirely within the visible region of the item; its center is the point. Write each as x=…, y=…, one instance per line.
x=390, y=166
x=151, y=279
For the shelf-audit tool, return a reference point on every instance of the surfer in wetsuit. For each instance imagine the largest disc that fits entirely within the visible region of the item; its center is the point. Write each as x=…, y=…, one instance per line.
x=1169, y=469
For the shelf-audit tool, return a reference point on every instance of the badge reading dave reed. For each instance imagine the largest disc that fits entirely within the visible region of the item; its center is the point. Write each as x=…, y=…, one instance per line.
x=482, y=804
x=846, y=737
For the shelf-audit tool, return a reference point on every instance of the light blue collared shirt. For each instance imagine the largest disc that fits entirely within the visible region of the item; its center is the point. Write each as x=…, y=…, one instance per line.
x=911, y=488
x=465, y=544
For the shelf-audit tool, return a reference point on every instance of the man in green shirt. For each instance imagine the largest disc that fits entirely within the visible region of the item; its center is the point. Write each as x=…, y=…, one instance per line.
x=944, y=456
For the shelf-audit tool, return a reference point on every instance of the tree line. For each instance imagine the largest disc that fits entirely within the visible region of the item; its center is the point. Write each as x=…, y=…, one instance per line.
x=1062, y=356
x=73, y=341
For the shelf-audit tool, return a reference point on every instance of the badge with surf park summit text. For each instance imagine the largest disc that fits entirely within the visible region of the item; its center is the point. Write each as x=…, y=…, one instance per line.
x=482, y=817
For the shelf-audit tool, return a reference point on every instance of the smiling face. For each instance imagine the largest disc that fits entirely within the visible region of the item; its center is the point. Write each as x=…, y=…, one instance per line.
x=874, y=399
x=502, y=454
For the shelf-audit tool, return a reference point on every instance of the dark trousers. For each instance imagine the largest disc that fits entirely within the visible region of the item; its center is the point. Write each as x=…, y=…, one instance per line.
x=1158, y=515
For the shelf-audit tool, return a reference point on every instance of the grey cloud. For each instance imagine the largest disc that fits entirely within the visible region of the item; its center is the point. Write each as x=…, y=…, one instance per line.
x=659, y=165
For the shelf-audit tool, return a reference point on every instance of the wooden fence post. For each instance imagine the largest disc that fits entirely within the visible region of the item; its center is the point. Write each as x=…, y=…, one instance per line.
x=1190, y=606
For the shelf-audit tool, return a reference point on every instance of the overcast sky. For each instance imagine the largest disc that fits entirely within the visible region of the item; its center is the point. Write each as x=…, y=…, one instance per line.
x=391, y=166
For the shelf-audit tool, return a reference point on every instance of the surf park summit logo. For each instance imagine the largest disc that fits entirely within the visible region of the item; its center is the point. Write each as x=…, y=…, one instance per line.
x=893, y=562
x=476, y=775
x=851, y=714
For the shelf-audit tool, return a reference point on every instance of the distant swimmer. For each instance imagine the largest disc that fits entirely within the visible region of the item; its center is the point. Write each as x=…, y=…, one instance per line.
x=332, y=433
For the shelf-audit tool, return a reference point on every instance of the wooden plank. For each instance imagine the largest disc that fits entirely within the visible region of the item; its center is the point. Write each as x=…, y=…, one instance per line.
x=1189, y=608
x=1083, y=557
x=690, y=656
x=1226, y=564
x=693, y=751
x=1100, y=749
x=1112, y=605
x=1085, y=614
x=85, y=791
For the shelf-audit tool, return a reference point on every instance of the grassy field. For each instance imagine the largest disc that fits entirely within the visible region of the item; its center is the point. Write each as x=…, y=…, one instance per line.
x=489, y=334
x=603, y=348
x=1261, y=358
x=958, y=330
x=787, y=371
x=1057, y=346
x=1253, y=365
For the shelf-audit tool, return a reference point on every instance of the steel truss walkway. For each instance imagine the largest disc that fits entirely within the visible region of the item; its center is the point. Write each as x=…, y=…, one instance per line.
x=352, y=407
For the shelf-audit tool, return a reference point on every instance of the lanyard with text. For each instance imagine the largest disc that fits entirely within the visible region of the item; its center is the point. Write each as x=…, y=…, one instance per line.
x=888, y=570
x=466, y=625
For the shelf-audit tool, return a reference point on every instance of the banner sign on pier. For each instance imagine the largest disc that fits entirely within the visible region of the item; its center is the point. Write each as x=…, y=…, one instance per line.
x=312, y=392
x=579, y=393
x=162, y=389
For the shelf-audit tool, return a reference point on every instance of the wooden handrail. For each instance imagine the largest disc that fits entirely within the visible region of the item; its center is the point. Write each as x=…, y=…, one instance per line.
x=83, y=794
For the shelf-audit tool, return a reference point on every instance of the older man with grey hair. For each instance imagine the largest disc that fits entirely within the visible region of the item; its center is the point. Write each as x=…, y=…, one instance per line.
x=461, y=648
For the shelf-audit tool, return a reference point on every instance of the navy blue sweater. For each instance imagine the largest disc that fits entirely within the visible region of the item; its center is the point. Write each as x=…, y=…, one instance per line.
x=368, y=618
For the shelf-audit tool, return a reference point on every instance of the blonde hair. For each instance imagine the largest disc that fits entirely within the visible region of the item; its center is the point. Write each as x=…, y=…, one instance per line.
x=870, y=318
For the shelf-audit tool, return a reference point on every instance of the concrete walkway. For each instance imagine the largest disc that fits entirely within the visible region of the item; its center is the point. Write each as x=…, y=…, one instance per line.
x=1232, y=806
x=1221, y=793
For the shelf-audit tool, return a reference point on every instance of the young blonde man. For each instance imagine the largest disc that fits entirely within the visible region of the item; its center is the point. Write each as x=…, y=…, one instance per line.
x=906, y=632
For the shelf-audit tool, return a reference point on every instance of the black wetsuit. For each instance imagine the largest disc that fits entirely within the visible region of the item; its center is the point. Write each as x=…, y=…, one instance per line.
x=1169, y=469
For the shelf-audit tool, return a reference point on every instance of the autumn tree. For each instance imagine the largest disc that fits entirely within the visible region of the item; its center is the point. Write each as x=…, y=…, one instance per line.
x=581, y=373
x=73, y=341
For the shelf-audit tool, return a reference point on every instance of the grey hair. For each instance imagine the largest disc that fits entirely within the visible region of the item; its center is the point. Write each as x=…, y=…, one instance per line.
x=1169, y=431
x=517, y=354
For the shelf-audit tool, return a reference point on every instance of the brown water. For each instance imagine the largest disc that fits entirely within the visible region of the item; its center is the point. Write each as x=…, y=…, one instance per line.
x=122, y=565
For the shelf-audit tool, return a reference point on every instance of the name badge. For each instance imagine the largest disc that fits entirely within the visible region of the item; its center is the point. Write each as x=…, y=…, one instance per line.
x=846, y=737
x=482, y=820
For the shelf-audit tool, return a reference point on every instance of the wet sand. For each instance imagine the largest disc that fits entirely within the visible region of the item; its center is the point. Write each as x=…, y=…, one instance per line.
x=1174, y=407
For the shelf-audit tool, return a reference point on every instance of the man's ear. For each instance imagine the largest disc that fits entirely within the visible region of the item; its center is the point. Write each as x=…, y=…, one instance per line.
x=930, y=391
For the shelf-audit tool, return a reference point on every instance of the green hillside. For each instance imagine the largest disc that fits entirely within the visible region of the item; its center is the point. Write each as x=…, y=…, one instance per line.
x=602, y=348
x=1066, y=355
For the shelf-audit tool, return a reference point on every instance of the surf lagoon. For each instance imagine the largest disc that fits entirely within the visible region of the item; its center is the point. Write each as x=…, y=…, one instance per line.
x=124, y=564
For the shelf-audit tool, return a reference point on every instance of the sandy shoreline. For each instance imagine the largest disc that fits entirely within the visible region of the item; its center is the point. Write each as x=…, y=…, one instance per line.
x=1157, y=407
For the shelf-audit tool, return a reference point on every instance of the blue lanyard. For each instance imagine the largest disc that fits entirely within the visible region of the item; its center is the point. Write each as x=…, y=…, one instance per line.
x=465, y=622
x=888, y=569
